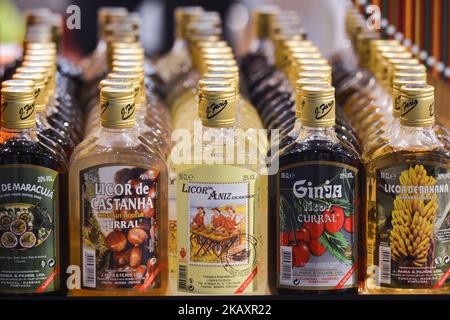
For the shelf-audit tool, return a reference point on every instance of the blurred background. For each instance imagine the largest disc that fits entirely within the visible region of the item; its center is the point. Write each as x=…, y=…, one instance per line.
x=324, y=20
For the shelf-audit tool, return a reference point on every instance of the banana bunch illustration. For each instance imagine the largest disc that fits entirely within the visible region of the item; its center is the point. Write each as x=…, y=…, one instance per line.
x=413, y=218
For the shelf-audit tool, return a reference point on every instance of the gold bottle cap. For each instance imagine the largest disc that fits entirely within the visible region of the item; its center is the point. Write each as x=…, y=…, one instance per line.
x=117, y=107
x=221, y=82
x=314, y=67
x=376, y=54
x=220, y=62
x=410, y=67
x=183, y=15
x=315, y=74
x=299, y=84
x=261, y=20
x=39, y=82
x=18, y=83
x=417, y=105
x=128, y=51
x=317, y=105
x=307, y=55
x=218, y=56
x=304, y=61
x=106, y=14
x=40, y=52
x=137, y=84
x=216, y=50
x=410, y=74
x=115, y=82
x=17, y=109
x=219, y=68
x=363, y=42
x=232, y=77
x=217, y=106
x=128, y=63
x=397, y=83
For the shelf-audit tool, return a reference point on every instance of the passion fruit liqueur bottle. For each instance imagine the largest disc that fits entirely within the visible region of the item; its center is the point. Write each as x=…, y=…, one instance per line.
x=408, y=204
x=315, y=203
x=118, y=201
x=221, y=228
x=31, y=213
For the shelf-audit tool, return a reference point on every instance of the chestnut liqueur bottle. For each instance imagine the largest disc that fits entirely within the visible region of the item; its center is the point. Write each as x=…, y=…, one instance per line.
x=31, y=190
x=118, y=190
x=315, y=203
x=407, y=214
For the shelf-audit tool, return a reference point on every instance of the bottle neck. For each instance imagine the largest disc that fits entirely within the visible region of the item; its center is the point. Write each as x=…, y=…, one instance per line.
x=307, y=133
x=124, y=137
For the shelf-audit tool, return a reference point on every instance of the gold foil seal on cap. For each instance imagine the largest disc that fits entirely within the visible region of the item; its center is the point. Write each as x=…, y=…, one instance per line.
x=397, y=83
x=213, y=82
x=17, y=109
x=117, y=107
x=299, y=84
x=261, y=20
x=314, y=67
x=317, y=105
x=183, y=15
x=40, y=95
x=217, y=106
x=316, y=74
x=417, y=105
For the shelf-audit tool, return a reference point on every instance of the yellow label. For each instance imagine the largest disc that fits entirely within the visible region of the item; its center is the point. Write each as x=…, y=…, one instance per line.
x=217, y=237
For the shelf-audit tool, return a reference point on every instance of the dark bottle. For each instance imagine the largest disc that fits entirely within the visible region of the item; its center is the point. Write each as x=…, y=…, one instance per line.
x=41, y=101
x=315, y=204
x=32, y=202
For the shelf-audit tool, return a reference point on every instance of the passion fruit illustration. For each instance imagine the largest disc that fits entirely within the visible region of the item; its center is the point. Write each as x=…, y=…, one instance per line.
x=26, y=216
x=27, y=240
x=18, y=226
x=5, y=222
x=9, y=240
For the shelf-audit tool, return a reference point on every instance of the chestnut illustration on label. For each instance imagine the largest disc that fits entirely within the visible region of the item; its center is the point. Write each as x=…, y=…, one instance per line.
x=120, y=227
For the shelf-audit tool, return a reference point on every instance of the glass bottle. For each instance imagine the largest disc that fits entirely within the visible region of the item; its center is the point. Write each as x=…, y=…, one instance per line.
x=407, y=216
x=118, y=207
x=32, y=202
x=315, y=204
x=221, y=227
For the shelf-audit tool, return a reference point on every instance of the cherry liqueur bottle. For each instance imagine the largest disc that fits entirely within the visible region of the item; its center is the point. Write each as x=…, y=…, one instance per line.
x=118, y=190
x=315, y=204
x=32, y=202
x=221, y=228
x=406, y=218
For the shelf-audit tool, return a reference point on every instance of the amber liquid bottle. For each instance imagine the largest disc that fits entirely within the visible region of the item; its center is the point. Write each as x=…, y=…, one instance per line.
x=407, y=204
x=315, y=204
x=32, y=204
x=118, y=207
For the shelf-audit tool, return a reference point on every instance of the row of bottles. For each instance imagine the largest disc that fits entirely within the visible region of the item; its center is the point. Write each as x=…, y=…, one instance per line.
x=406, y=157
x=41, y=124
x=173, y=187
x=217, y=197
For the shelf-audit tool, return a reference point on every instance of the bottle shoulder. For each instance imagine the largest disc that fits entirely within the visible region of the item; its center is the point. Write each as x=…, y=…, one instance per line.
x=31, y=153
x=319, y=150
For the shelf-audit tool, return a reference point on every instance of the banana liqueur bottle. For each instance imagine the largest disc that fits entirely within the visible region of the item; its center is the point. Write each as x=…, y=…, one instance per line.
x=32, y=183
x=315, y=204
x=407, y=218
x=221, y=227
x=118, y=203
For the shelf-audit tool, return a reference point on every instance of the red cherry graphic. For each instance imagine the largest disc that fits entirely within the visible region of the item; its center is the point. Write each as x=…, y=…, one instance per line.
x=286, y=238
x=316, y=248
x=348, y=224
x=334, y=219
x=303, y=235
x=183, y=252
x=315, y=229
x=300, y=254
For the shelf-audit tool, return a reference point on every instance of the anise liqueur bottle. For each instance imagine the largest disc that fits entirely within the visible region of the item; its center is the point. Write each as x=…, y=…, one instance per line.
x=406, y=218
x=31, y=207
x=315, y=204
x=118, y=201
x=221, y=225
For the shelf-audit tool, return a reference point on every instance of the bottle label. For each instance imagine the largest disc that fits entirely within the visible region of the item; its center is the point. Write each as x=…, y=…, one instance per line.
x=119, y=228
x=217, y=236
x=317, y=214
x=413, y=226
x=29, y=226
